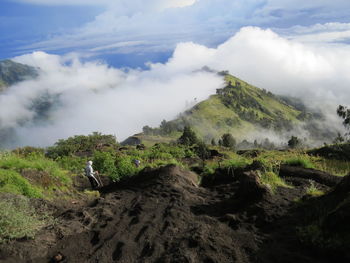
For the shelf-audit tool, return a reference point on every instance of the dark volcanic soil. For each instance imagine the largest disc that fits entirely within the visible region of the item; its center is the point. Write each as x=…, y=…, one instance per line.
x=162, y=215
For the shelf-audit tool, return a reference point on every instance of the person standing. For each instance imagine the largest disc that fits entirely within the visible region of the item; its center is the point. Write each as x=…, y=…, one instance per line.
x=89, y=172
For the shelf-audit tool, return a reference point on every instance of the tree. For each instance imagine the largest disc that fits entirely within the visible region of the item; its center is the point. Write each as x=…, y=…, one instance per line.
x=220, y=142
x=228, y=141
x=147, y=130
x=188, y=136
x=202, y=151
x=339, y=138
x=213, y=142
x=294, y=142
x=344, y=113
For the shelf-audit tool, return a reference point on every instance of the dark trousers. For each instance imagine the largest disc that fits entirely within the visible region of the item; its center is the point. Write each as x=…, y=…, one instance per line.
x=93, y=182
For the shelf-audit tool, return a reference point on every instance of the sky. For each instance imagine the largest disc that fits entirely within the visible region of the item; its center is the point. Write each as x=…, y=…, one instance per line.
x=132, y=32
x=117, y=65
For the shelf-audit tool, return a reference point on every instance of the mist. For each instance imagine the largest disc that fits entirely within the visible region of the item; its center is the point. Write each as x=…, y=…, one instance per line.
x=91, y=96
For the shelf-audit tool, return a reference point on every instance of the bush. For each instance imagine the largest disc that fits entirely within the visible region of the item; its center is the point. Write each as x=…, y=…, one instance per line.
x=80, y=143
x=104, y=162
x=202, y=151
x=294, y=142
x=18, y=219
x=74, y=164
x=28, y=150
x=124, y=167
x=228, y=141
x=188, y=136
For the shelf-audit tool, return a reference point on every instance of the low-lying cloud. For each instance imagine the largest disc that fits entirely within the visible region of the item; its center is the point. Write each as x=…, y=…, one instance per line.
x=93, y=97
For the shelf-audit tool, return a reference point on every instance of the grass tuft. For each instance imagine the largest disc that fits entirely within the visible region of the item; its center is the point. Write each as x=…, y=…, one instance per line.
x=272, y=180
x=312, y=190
x=299, y=161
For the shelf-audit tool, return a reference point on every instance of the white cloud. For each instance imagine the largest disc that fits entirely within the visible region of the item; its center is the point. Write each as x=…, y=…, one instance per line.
x=270, y=61
x=319, y=34
x=96, y=97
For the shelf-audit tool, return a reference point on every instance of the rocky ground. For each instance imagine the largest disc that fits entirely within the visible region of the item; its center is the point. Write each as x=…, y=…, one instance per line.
x=164, y=215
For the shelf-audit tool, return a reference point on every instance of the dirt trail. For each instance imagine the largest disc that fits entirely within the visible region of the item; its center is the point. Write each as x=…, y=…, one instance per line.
x=162, y=215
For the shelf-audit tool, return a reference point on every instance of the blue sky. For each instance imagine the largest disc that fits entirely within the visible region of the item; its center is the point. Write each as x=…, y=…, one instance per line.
x=130, y=32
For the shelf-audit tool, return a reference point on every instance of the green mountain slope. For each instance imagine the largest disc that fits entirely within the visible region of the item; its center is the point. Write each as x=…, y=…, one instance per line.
x=238, y=108
x=12, y=72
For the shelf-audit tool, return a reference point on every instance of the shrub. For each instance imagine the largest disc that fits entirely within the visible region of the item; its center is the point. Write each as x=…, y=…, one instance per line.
x=124, y=167
x=294, y=142
x=202, y=151
x=74, y=164
x=228, y=141
x=104, y=162
x=188, y=136
x=209, y=169
x=80, y=143
x=18, y=219
x=28, y=150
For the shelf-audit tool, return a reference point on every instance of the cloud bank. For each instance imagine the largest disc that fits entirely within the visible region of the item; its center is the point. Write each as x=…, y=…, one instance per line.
x=91, y=96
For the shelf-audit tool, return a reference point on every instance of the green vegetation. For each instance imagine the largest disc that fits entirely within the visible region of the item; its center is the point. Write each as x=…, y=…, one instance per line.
x=239, y=109
x=344, y=113
x=32, y=175
x=294, y=142
x=299, y=161
x=312, y=190
x=325, y=227
x=13, y=182
x=228, y=141
x=34, y=162
x=272, y=180
x=81, y=145
x=18, y=219
x=334, y=151
x=188, y=136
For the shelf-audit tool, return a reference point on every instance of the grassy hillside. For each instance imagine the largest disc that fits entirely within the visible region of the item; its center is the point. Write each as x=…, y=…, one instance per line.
x=239, y=108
